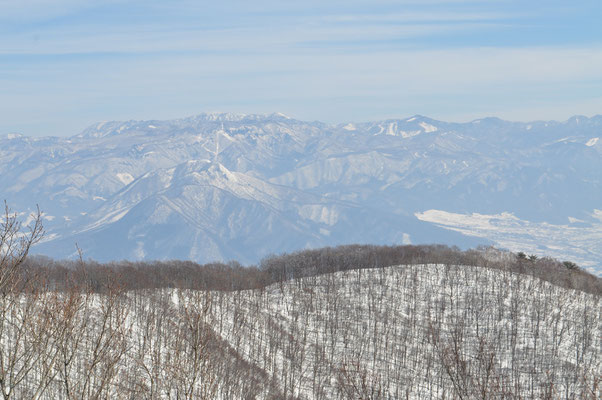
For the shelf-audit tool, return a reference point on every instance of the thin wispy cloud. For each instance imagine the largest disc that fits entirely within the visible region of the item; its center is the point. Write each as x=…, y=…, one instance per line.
x=144, y=37
x=83, y=61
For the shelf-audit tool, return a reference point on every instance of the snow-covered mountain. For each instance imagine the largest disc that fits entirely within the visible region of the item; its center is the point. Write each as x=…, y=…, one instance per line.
x=230, y=186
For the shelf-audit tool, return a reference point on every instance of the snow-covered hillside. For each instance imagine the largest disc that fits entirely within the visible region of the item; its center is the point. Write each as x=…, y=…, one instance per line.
x=412, y=331
x=417, y=332
x=232, y=186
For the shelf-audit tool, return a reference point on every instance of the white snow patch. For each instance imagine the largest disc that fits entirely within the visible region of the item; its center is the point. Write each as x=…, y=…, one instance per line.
x=320, y=214
x=349, y=127
x=152, y=126
x=540, y=238
x=409, y=134
x=108, y=219
x=125, y=178
x=428, y=127
x=49, y=237
x=597, y=214
x=392, y=129
x=139, y=252
x=411, y=119
x=592, y=142
x=99, y=198
x=30, y=218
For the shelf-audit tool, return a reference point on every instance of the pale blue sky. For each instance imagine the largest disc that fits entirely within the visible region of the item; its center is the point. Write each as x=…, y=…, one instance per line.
x=65, y=64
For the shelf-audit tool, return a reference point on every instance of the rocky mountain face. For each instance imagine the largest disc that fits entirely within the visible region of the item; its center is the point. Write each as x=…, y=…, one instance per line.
x=225, y=186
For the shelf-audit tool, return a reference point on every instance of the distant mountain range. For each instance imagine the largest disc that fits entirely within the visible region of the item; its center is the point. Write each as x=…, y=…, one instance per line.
x=228, y=186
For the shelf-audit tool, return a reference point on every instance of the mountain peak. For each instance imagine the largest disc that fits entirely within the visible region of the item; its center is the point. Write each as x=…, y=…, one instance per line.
x=106, y=128
x=417, y=117
x=494, y=120
x=237, y=117
x=577, y=119
x=279, y=115
x=220, y=116
x=11, y=136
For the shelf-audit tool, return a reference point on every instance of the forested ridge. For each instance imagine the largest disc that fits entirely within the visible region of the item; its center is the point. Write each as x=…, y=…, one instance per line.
x=130, y=275
x=349, y=322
